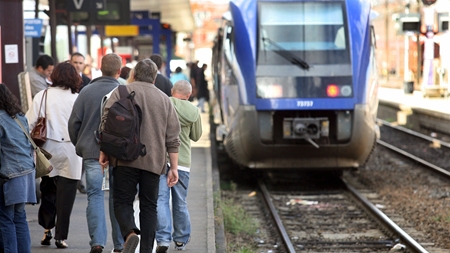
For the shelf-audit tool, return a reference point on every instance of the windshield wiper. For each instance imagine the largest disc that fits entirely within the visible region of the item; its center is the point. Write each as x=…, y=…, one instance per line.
x=286, y=54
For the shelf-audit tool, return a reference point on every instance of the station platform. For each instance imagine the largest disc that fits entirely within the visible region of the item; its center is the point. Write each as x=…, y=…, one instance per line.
x=200, y=204
x=415, y=101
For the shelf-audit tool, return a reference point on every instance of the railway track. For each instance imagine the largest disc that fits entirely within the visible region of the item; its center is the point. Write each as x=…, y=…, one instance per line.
x=333, y=219
x=428, y=151
x=340, y=220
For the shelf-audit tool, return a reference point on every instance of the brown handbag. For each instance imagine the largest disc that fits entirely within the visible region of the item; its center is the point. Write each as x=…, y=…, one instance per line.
x=39, y=132
x=43, y=165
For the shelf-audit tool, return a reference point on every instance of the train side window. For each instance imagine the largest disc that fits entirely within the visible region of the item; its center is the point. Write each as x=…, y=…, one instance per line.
x=339, y=40
x=228, y=45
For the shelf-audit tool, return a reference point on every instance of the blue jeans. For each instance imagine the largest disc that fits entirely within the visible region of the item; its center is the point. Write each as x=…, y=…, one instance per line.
x=14, y=232
x=180, y=213
x=201, y=103
x=95, y=211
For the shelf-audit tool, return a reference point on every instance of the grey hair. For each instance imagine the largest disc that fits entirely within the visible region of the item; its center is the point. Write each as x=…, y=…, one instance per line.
x=182, y=87
x=145, y=71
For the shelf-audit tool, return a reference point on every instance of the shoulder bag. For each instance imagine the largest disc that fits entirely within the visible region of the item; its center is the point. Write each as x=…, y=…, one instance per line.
x=39, y=132
x=43, y=166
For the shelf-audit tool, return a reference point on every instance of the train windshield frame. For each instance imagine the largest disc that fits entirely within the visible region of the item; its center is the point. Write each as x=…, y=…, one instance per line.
x=303, y=50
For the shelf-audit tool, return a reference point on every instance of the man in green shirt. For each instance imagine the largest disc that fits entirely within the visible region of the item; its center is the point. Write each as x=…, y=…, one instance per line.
x=191, y=129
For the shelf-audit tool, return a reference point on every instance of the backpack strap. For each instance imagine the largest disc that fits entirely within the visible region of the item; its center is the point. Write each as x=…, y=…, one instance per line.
x=102, y=106
x=123, y=92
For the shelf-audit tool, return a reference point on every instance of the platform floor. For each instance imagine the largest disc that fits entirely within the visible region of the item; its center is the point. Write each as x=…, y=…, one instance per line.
x=200, y=202
x=414, y=100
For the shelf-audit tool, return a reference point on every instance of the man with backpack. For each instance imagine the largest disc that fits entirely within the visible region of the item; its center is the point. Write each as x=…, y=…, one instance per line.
x=159, y=133
x=83, y=122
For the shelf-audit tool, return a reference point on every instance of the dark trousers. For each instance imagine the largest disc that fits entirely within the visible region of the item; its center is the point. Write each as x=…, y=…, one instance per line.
x=125, y=182
x=57, y=199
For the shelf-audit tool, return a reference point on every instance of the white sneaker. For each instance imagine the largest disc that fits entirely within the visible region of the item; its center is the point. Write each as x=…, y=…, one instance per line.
x=180, y=246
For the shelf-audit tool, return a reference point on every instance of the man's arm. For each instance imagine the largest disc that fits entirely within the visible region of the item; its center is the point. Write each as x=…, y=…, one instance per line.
x=172, y=174
x=74, y=126
x=172, y=144
x=37, y=83
x=196, y=129
x=103, y=159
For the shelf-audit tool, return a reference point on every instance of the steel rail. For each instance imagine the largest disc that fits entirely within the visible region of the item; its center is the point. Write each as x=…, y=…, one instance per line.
x=277, y=219
x=410, y=242
x=411, y=132
x=434, y=168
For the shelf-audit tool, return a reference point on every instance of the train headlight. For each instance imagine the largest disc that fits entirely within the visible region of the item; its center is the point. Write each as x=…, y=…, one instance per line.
x=270, y=88
x=346, y=90
x=332, y=90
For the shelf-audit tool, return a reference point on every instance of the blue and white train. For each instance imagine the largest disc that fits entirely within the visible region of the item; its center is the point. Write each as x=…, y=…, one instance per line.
x=295, y=83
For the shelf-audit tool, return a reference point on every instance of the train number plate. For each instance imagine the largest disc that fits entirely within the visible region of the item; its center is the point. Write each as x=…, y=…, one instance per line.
x=305, y=103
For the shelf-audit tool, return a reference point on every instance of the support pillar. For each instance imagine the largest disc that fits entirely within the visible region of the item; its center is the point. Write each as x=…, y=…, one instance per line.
x=11, y=34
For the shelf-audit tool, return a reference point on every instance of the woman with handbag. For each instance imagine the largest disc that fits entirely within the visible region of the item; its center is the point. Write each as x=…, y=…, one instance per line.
x=17, y=171
x=59, y=188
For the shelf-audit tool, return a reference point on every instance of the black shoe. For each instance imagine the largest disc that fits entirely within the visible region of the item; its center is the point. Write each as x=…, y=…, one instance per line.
x=47, y=237
x=61, y=244
x=81, y=189
x=131, y=243
x=162, y=249
x=97, y=249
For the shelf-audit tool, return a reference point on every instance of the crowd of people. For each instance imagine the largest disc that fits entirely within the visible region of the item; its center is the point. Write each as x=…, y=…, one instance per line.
x=73, y=108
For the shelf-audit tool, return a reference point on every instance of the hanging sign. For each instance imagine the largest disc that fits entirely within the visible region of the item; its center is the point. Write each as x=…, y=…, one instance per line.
x=85, y=5
x=33, y=27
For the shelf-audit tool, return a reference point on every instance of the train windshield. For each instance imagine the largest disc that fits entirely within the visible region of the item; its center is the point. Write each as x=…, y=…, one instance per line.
x=303, y=50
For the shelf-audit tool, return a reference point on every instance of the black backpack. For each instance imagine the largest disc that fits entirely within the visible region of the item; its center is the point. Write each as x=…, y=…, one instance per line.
x=120, y=135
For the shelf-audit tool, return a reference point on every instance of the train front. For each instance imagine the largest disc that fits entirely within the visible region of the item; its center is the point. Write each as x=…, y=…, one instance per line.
x=299, y=84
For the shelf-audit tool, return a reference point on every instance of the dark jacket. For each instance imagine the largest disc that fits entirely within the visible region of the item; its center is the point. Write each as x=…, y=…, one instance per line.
x=202, y=86
x=85, y=117
x=164, y=84
x=86, y=81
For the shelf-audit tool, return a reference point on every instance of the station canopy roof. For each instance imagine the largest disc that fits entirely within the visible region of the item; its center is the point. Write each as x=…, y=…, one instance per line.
x=177, y=13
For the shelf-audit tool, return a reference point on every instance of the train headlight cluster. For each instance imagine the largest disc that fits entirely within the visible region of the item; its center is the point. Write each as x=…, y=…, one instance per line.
x=301, y=87
x=334, y=90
